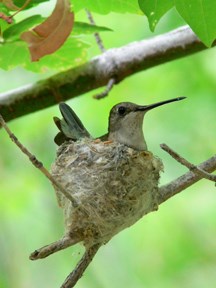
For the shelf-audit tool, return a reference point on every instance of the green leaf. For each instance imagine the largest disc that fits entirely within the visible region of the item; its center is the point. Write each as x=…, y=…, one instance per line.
x=14, y=31
x=200, y=16
x=13, y=55
x=71, y=54
x=105, y=7
x=154, y=10
x=86, y=28
x=31, y=4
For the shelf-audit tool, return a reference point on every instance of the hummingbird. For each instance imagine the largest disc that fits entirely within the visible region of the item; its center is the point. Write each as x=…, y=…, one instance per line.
x=125, y=124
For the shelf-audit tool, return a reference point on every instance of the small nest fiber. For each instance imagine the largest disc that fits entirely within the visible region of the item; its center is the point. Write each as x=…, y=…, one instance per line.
x=113, y=185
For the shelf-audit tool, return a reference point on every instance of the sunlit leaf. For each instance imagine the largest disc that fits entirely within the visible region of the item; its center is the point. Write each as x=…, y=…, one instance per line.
x=72, y=53
x=105, y=7
x=200, y=15
x=13, y=55
x=16, y=54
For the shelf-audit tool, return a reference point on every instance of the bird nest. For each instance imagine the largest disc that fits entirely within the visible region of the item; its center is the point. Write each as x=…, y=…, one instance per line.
x=114, y=186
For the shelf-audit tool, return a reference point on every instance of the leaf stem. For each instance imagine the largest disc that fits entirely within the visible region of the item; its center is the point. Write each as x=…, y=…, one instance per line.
x=20, y=9
x=102, y=48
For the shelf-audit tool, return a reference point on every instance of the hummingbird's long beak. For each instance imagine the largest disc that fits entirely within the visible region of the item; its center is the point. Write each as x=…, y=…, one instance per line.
x=152, y=106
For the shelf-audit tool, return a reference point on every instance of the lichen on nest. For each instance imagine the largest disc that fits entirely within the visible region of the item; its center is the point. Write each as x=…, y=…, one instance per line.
x=114, y=186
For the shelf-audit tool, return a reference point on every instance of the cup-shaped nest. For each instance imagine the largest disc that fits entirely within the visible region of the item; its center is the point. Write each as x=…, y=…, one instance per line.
x=114, y=186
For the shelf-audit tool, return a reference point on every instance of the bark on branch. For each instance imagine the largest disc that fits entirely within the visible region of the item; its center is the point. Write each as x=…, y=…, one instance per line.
x=117, y=63
x=186, y=180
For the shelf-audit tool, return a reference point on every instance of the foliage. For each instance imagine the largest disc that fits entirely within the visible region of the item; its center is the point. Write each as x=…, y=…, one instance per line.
x=105, y=7
x=199, y=14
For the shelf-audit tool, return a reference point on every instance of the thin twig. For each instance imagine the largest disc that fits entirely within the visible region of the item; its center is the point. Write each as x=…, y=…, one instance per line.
x=102, y=48
x=77, y=273
x=37, y=163
x=54, y=247
x=107, y=89
x=21, y=8
x=189, y=165
x=186, y=180
x=97, y=35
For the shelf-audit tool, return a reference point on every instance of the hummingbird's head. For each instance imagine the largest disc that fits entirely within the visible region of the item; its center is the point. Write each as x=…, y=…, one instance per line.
x=125, y=123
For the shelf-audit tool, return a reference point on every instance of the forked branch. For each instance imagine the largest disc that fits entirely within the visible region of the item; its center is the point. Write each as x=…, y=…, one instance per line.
x=181, y=183
x=189, y=165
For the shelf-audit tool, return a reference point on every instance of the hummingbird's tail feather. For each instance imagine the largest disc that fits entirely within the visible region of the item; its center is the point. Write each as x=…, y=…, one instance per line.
x=70, y=126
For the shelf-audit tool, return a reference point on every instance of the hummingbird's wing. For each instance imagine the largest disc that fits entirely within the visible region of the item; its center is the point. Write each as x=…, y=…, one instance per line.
x=70, y=126
x=60, y=137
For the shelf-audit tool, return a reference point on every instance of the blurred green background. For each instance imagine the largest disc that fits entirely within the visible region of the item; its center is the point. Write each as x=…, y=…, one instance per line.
x=173, y=247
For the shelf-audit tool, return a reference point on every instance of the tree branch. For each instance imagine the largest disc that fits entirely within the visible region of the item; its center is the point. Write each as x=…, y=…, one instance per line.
x=37, y=163
x=189, y=165
x=117, y=63
x=98, y=39
x=84, y=262
x=186, y=180
x=102, y=48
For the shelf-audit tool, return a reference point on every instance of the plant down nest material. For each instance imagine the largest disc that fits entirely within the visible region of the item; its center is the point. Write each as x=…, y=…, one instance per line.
x=113, y=185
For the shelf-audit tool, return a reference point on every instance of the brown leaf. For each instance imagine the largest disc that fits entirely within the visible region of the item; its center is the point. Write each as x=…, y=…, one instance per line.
x=50, y=35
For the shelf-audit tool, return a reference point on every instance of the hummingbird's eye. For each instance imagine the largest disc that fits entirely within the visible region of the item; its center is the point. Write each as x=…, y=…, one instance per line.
x=121, y=110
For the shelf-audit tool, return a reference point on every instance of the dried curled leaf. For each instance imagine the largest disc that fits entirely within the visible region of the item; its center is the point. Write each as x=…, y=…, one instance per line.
x=50, y=35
